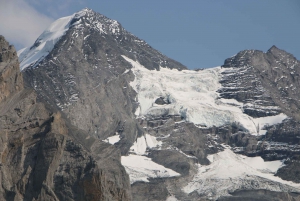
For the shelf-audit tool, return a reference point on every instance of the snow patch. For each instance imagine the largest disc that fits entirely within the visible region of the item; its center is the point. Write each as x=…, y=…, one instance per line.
x=171, y=198
x=268, y=121
x=46, y=41
x=229, y=172
x=142, y=143
x=113, y=139
x=140, y=168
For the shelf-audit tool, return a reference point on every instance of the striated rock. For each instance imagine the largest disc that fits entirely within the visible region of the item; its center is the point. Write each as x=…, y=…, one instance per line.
x=274, y=74
x=268, y=83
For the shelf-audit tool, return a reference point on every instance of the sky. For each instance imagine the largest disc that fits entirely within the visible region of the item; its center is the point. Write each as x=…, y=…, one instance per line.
x=197, y=33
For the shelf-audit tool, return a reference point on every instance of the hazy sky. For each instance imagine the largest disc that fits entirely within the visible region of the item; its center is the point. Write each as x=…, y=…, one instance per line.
x=197, y=33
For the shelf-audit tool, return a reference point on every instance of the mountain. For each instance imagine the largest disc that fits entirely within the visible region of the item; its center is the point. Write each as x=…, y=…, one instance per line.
x=118, y=120
x=43, y=157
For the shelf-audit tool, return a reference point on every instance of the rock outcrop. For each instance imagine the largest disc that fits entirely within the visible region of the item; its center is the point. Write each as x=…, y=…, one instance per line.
x=268, y=83
x=10, y=77
x=42, y=156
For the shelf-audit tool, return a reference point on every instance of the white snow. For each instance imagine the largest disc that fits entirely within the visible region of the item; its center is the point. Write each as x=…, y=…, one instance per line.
x=113, y=139
x=171, y=198
x=46, y=41
x=229, y=171
x=264, y=166
x=192, y=94
x=268, y=121
x=231, y=102
x=142, y=143
x=140, y=168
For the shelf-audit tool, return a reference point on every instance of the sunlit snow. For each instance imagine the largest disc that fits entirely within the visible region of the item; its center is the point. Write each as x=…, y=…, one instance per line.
x=193, y=95
x=140, y=168
x=142, y=143
x=229, y=172
x=268, y=121
x=46, y=41
x=113, y=139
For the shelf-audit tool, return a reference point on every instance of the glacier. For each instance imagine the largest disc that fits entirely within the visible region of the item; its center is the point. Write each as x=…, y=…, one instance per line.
x=192, y=95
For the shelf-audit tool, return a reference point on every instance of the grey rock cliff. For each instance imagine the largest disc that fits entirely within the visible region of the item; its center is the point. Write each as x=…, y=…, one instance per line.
x=42, y=156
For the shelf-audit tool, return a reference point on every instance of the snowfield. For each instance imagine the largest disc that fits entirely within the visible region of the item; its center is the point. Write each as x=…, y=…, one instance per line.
x=113, y=139
x=139, y=166
x=193, y=95
x=229, y=172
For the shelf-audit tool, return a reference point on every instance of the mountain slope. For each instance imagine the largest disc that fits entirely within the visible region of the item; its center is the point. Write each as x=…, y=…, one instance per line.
x=42, y=155
x=85, y=69
x=167, y=122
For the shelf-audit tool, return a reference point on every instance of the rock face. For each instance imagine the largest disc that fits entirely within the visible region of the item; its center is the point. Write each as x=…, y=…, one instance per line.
x=42, y=156
x=273, y=79
x=11, y=79
x=269, y=83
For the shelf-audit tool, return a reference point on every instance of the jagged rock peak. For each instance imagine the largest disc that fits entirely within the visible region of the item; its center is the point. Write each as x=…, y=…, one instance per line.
x=274, y=47
x=254, y=57
x=279, y=53
x=241, y=58
x=11, y=80
x=7, y=52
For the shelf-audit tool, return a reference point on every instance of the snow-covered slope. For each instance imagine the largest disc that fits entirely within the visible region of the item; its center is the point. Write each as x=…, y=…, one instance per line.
x=46, y=41
x=229, y=172
x=192, y=95
x=139, y=166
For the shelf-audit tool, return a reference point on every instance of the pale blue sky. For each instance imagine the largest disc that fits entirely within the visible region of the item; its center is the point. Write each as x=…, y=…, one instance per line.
x=197, y=33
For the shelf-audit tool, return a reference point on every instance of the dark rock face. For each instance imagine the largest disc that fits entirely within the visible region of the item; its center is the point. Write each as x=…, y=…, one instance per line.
x=162, y=101
x=274, y=73
x=244, y=84
x=43, y=157
x=153, y=191
x=173, y=160
x=183, y=136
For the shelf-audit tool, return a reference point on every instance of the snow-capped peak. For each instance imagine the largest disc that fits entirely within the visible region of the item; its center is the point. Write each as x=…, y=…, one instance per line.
x=46, y=41
x=44, y=44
